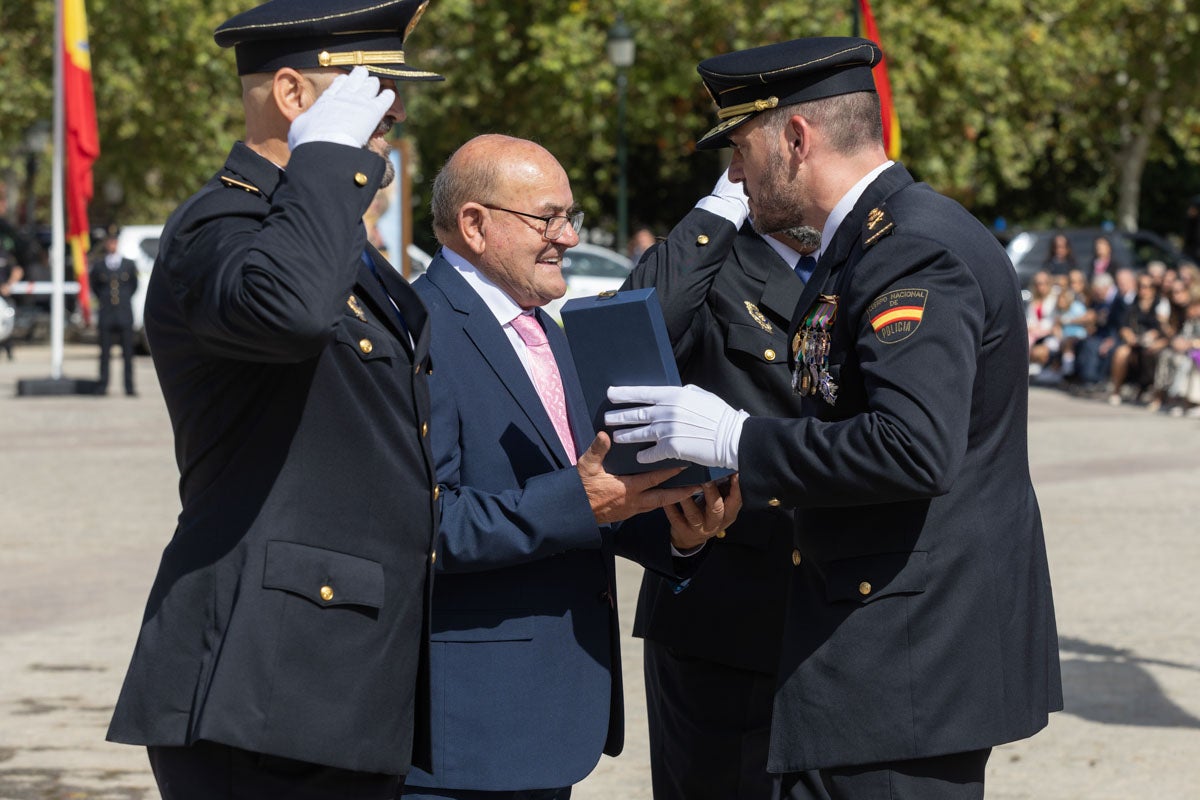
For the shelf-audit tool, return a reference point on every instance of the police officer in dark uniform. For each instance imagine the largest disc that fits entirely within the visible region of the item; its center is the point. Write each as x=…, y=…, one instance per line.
x=284, y=648
x=114, y=280
x=712, y=647
x=920, y=627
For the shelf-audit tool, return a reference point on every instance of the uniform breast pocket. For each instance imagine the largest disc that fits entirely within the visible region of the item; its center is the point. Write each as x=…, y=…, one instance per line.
x=325, y=577
x=368, y=343
x=755, y=343
x=866, y=579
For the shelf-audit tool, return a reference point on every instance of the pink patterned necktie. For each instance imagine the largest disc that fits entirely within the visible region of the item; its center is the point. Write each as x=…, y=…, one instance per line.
x=546, y=378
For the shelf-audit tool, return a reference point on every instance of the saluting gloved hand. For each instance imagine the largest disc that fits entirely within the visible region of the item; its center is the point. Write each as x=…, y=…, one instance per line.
x=728, y=200
x=348, y=112
x=684, y=421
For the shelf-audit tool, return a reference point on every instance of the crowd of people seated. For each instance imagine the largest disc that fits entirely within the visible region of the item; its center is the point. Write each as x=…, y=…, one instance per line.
x=1100, y=329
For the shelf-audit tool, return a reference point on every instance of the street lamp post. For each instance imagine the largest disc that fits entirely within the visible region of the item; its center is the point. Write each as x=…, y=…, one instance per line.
x=37, y=139
x=621, y=52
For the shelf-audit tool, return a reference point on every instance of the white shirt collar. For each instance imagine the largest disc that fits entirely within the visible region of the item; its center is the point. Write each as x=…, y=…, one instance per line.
x=503, y=307
x=846, y=205
x=790, y=256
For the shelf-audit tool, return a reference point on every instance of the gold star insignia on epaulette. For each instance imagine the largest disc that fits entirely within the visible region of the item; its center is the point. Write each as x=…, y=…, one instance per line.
x=879, y=224
x=352, y=301
x=228, y=181
x=758, y=316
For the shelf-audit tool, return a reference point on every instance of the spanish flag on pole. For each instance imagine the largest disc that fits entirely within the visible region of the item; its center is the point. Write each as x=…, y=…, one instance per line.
x=891, y=123
x=82, y=139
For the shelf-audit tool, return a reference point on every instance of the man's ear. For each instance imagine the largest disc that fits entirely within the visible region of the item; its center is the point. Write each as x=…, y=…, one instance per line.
x=292, y=93
x=472, y=218
x=799, y=136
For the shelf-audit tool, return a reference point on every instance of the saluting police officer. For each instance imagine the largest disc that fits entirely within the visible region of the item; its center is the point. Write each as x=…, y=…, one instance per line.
x=114, y=280
x=712, y=647
x=920, y=628
x=284, y=648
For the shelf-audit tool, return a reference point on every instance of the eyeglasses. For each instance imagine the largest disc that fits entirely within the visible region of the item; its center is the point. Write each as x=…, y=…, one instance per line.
x=556, y=224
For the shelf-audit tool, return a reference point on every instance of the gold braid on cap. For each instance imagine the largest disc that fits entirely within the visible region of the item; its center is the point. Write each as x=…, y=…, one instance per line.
x=360, y=58
x=747, y=108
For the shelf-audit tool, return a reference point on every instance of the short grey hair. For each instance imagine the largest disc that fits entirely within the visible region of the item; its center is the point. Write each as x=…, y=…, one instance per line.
x=850, y=122
x=458, y=183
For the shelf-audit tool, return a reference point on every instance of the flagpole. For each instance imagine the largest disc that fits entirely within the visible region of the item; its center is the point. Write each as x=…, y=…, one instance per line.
x=56, y=384
x=57, y=226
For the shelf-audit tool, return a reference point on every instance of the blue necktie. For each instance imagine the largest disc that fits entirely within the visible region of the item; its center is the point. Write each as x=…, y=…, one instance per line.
x=805, y=267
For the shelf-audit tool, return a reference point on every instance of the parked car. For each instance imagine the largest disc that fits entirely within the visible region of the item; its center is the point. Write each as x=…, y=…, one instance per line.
x=139, y=243
x=1136, y=249
x=590, y=269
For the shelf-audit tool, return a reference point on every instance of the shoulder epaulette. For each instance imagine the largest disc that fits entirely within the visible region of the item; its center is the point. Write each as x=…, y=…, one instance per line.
x=233, y=183
x=879, y=224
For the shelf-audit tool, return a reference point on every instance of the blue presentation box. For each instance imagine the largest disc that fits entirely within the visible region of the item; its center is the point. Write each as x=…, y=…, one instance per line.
x=620, y=339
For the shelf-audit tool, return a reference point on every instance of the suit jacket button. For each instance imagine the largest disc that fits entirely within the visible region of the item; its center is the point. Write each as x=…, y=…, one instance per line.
x=360, y=179
x=769, y=354
x=702, y=240
x=365, y=345
x=437, y=492
x=326, y=593
x=424, y=429
x=796, y=559
x=774, y=502
x=864, y=588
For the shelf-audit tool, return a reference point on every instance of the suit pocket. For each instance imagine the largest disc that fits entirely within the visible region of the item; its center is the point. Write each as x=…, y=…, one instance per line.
x=482, y=626
x=866, y=579
x=756, y=343
x=325, y=577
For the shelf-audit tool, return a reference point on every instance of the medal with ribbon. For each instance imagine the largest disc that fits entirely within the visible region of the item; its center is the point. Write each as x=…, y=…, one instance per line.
x=810, y=349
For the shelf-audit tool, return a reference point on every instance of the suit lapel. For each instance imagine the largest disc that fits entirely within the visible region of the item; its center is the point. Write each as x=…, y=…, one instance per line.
x=485, y=332
x=781, y=286
x=577, y=412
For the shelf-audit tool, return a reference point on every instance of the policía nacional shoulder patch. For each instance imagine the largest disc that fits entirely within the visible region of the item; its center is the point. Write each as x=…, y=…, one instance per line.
x=895, y=316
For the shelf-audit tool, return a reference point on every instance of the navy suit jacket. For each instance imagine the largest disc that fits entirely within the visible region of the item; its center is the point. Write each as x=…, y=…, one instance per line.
x=525, y=649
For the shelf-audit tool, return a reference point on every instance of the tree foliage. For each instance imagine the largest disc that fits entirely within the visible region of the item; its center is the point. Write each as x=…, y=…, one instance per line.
x=1041, y=111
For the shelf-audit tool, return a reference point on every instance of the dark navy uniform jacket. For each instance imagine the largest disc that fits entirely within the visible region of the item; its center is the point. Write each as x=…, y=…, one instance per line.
x=920, y=619
x=114, y=290
x=289, y=614
x=727, y=298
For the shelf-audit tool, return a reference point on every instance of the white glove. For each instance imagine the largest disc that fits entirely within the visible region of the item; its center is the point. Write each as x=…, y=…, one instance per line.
x=728, y=200
x=348, y=112
x=685, y=422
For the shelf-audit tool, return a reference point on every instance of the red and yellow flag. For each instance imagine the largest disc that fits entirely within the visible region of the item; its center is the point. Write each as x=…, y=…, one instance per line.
x=83, y=139
x=891, y=123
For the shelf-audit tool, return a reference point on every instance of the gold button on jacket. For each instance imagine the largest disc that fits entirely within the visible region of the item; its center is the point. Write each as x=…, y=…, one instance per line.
x=365, y=345
x=774, y=502
x=702, y=240
x=437, y=492
x=326, y=593
x=769, y=354
x=360, y=179
x=796, y=559
x=424, y=428
x=720, y=534
x=864, y=588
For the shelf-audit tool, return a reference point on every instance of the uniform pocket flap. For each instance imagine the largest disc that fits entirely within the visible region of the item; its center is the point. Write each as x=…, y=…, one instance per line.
x=482, y=626
x=325, y=577
x=370, y=343
x=867, y=578
x=757, y=343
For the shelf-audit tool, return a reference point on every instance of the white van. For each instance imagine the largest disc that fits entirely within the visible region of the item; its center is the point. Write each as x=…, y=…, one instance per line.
x=140, y=244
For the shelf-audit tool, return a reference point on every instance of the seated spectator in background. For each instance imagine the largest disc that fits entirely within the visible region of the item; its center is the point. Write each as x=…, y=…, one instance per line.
x=1141, y=340
x=1102, y=260
x=1177, y=375
x=1039, y=321
x=1072, y=318
x=1110, y=296
x=1061, y=259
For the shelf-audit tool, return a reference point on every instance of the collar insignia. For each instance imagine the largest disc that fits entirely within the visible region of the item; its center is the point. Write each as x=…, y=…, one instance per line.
x=356, y=307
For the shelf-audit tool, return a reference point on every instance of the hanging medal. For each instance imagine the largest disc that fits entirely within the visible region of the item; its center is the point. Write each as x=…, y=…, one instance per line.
x=810, y=349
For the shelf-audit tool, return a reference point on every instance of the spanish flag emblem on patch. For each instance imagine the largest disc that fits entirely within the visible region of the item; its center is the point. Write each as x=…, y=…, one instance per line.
x=896, y=315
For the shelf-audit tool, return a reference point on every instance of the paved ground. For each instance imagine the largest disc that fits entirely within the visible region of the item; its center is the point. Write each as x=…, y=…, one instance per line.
x=87, y=499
